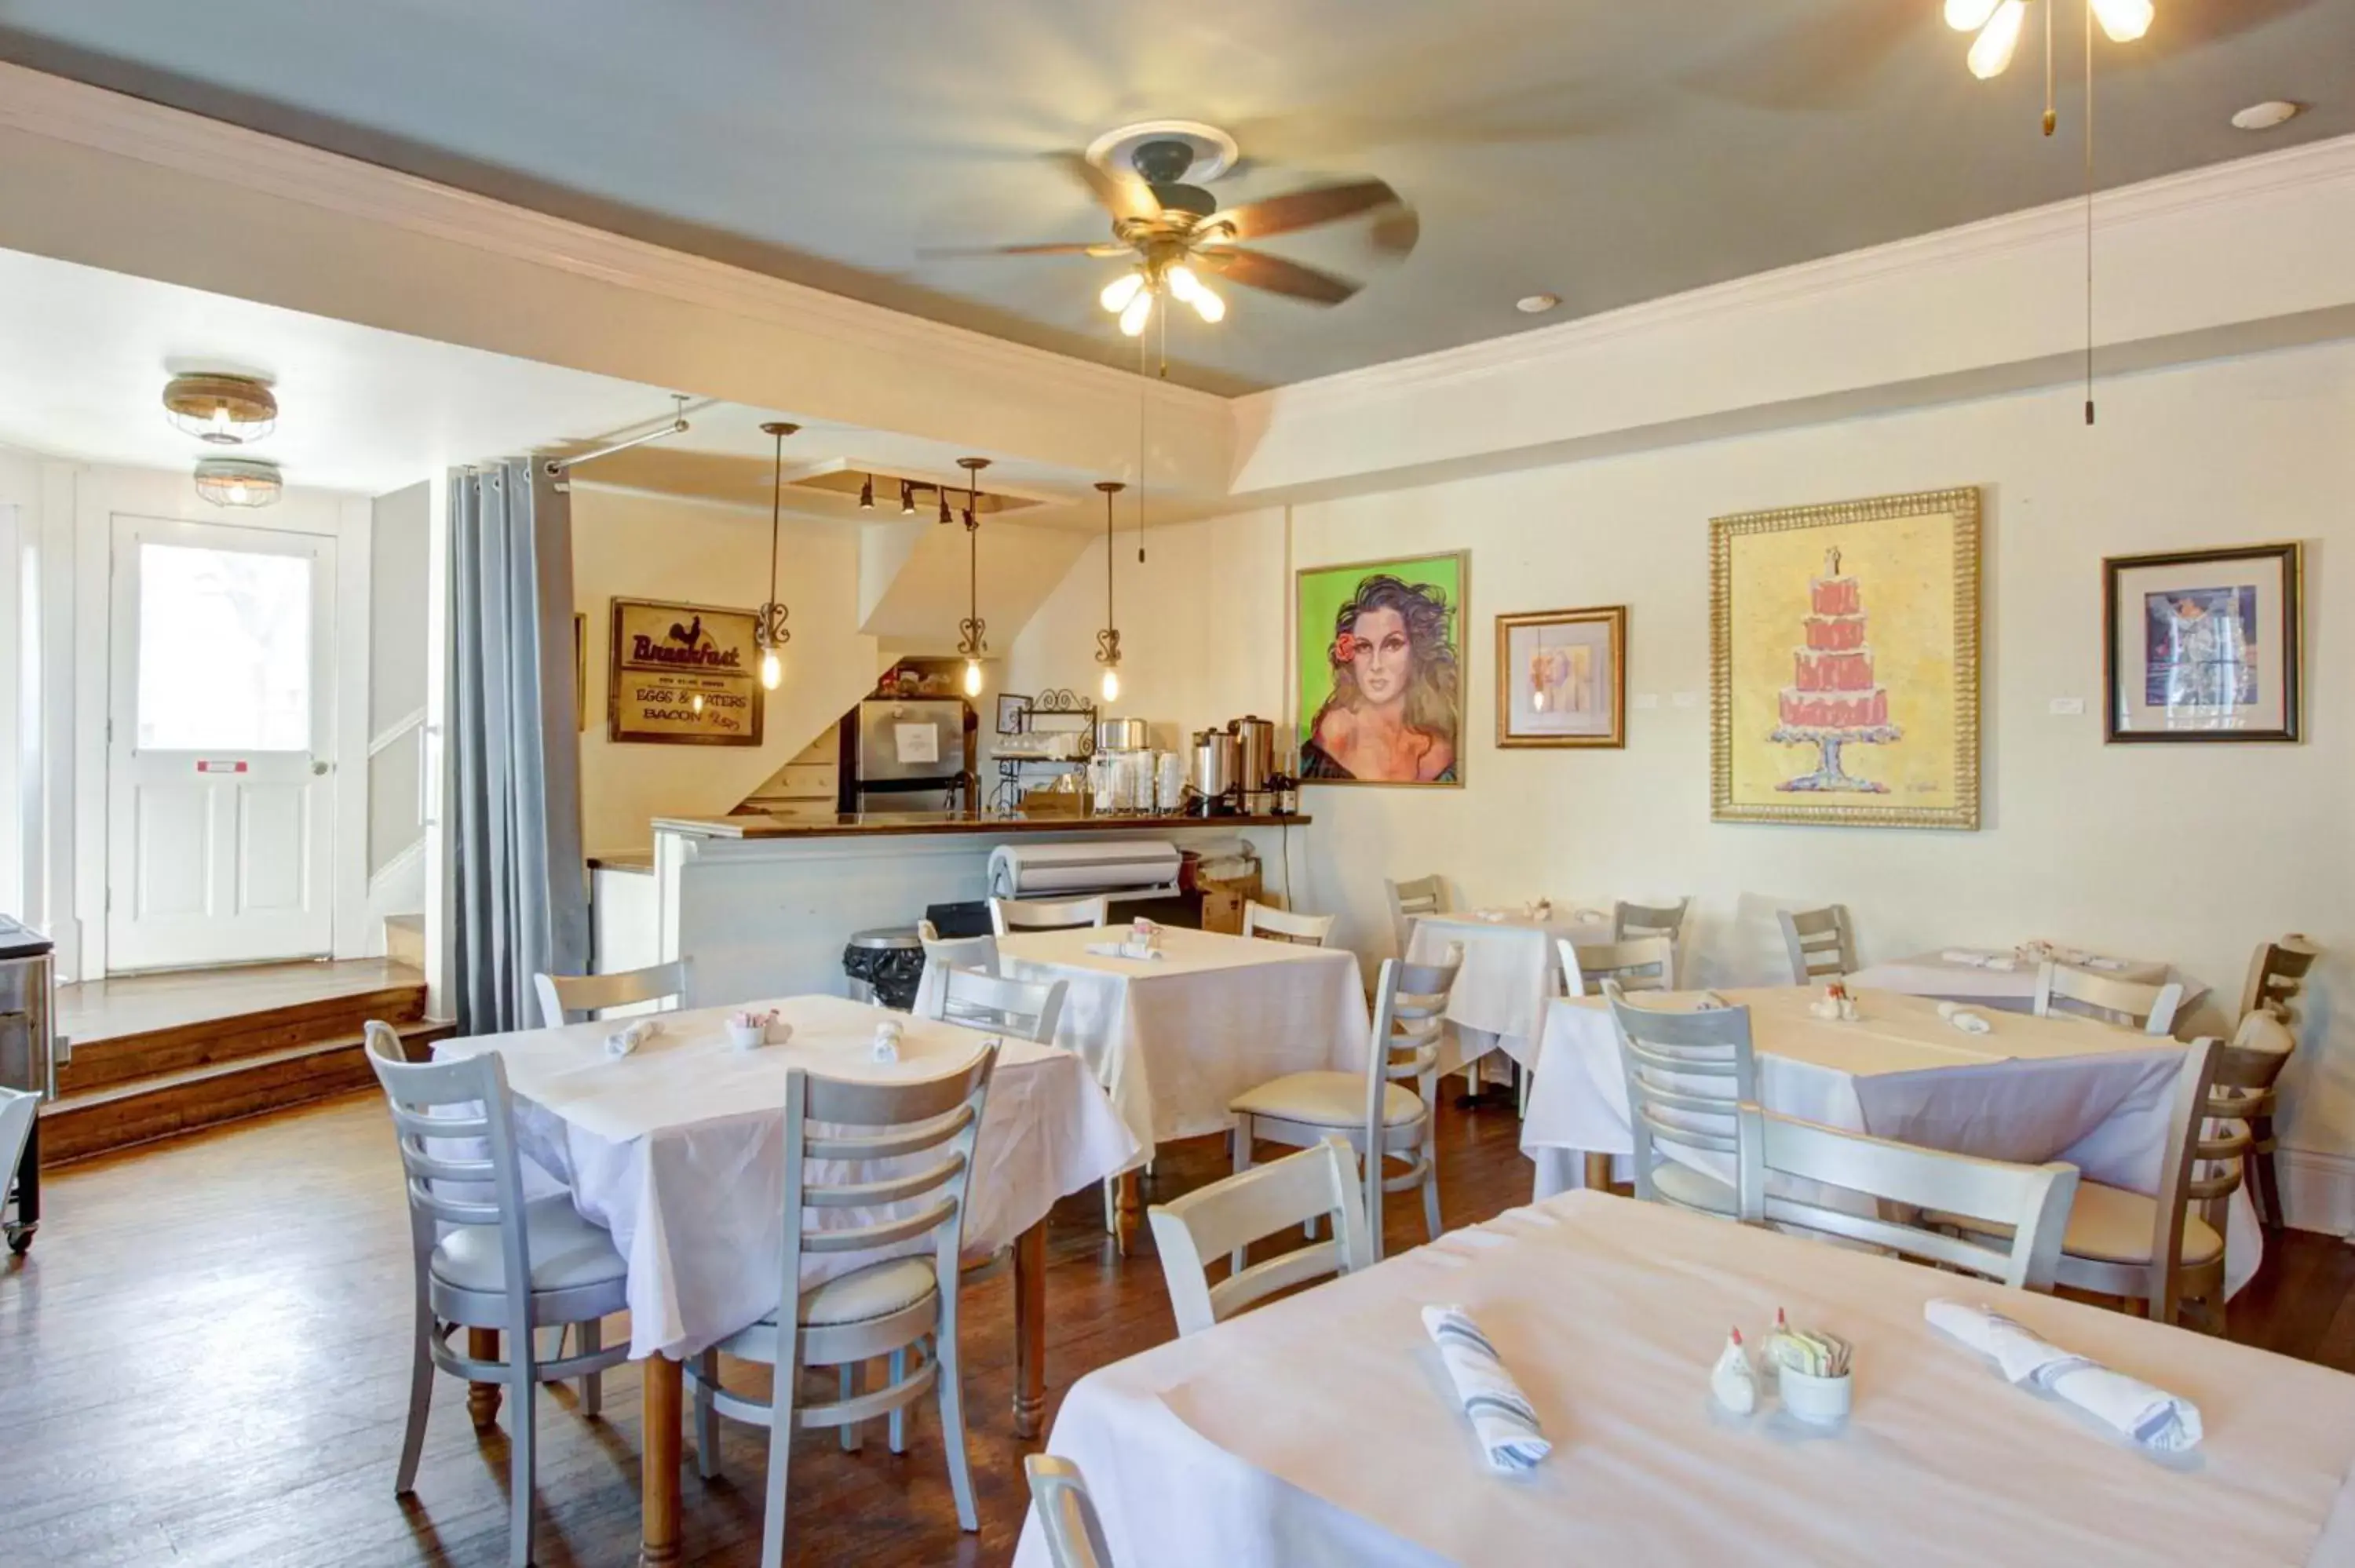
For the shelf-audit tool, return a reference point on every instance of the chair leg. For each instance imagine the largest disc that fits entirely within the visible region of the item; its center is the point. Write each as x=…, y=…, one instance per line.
x=592, y=1387
x=1430, y=1194
x=850, y=1381
x=421, y=1401
x=951, y=1383
x=1241, y=1139
x=786, y=1374
x=1373, y=1184
x=523, y=1404
x=900, y=1416
x=2264, y=1176
x=707, y=1418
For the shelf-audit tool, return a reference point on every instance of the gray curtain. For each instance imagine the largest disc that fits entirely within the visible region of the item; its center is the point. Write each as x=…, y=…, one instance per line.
x=521, y=899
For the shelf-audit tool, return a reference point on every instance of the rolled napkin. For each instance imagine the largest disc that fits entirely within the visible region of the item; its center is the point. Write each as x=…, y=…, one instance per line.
x=2149, y=1416
x=1964, y=1019
x=623, y=1041
x=1125, y=950
x=887, y=1041
x=1500, y=1413
x=1971, y=955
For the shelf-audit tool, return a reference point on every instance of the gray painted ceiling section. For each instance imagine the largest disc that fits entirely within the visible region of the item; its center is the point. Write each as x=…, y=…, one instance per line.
x=1606, y=151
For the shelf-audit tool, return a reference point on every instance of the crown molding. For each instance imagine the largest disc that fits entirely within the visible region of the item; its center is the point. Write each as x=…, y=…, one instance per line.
x=56, y=109
x=2300, y=169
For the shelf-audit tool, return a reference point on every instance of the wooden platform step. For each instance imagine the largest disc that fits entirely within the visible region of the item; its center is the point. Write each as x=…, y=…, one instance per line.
x=152, y=1025
x=160, y=1104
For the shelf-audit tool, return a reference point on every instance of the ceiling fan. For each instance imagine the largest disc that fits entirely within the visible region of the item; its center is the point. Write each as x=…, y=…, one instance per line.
x=1174, y=231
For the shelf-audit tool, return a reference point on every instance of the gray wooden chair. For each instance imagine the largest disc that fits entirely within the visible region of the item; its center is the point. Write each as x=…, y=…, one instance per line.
x=1383, y=1113
x=1641, y=963
x=1320, y=1183
x=1688, y=1073
x=1285, y=925
x=2060, y=988
x=1067, y=1515
x=487, y=1259
x=1029, y=1010
x=1629, y=921
x=2248, y=1092
x=1416, y=896
x=1009, y=914
x=568, y=998
x=1821, y=943
x=2276, y=974
x=908, y=1148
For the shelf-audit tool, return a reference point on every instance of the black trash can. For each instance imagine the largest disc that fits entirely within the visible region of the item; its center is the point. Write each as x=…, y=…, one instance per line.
x=885, y=966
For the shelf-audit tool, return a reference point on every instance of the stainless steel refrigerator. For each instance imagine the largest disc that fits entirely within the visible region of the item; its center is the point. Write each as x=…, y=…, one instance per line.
x=907, y=754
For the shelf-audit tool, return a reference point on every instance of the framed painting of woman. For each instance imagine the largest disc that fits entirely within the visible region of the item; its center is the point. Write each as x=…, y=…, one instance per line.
x=1381, y=671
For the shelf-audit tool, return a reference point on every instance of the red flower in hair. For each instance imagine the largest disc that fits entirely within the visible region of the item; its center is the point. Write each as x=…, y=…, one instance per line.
x=1349, y=645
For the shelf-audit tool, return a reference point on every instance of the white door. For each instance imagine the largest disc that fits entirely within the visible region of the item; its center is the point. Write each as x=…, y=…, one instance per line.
x=221, y=742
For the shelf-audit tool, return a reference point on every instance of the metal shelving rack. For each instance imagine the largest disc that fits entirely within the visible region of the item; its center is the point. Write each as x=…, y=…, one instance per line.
x=1071, y=712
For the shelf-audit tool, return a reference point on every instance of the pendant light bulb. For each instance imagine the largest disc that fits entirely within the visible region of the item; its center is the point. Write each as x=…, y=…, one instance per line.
x=2123, y=20
x=1991, y=55
x=1136, y=313
x=1969, y=15
x=972, y=677
x=1120, y=292
x=772, y=670
x=1208, y=305
x=1112, y=685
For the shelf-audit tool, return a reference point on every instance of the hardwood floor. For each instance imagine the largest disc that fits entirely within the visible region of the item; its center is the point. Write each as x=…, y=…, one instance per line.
x=204, y=1361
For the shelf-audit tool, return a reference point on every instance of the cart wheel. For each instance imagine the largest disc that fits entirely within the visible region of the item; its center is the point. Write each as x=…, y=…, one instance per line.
x=20, y=1238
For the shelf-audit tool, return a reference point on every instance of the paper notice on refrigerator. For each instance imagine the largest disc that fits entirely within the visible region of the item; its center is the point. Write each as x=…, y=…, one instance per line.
x=917, y=742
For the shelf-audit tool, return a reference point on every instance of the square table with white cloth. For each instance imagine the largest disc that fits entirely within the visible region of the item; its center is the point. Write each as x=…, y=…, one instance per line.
x=678, y=1149
x=1172, y=1039
x=2006, y=977
x=2031, y=1089
x=1322, y=1430
x=1511, y=970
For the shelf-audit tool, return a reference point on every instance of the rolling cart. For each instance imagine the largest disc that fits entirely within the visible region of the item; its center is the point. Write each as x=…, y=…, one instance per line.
x=27, y=1001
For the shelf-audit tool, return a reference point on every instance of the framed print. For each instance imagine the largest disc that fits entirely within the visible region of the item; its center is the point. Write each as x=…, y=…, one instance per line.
x=681, y=674
x=1844, y=663
x=2203, y=645
x=1562, y=677
x=1011, y=706
x=1381, y=671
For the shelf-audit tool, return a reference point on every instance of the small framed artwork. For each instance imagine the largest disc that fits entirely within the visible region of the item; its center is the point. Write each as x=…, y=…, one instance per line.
x=1562, y=677
x=1011, y=709
x=2204, y=644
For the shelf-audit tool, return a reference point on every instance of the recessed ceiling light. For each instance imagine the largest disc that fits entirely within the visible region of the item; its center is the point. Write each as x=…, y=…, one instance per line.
x=2264, y=116
x=1536, y=304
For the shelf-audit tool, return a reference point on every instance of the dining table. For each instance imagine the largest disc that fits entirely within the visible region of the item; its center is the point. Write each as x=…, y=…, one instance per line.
x=2006, y=977
x=676, y=1147
x=1175, y=1037
x=2028, y=1090
x=1323, y=1429
x=1512, y=968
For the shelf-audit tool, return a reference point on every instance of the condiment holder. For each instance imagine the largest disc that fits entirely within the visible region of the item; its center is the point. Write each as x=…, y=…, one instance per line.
x=750, y=1031
x=1811, y=1373
x=1836, y=1006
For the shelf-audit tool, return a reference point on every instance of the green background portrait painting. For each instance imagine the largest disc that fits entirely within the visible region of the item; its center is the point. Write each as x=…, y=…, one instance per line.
x=1382, y=704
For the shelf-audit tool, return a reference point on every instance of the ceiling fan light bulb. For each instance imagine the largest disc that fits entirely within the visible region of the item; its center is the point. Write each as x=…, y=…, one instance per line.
x=1991, y=55
x=1209, y=306
x=1112, y=685
x=1969, y=15
x=1120, y=292
x=1182, y=282
x=972, y=677
x=772, y=670
x=2123, y=20
x=1136, y=313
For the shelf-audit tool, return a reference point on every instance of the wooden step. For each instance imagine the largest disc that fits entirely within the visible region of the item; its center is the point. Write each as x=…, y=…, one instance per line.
x=404, y=939
x=180, y=1047
x=160, y=1104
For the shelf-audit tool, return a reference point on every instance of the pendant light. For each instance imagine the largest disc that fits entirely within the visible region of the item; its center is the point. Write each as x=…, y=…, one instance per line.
x=971, y=642
x=1108, y=640
x=769, y=632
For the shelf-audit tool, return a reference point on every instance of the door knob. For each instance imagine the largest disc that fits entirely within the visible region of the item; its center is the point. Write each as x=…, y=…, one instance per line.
x=318, y=769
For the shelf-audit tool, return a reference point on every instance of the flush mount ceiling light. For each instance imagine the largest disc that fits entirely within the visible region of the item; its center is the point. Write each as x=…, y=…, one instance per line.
x=770, y=633
x=2267, y=115
x=239, y=481
x=970, y=641
x=1536, y=304
x=226, y=410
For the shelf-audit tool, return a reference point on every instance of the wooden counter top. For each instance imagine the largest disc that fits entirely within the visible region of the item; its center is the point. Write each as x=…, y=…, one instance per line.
x=966, y=824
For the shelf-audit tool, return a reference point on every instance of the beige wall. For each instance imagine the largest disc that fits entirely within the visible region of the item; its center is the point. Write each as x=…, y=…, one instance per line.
x=641, y=546
x=2192, y=854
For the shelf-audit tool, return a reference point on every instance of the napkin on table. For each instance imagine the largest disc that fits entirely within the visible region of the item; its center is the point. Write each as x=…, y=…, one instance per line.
x=1500, y=1413
x=622, y=1041
x=2150, y=1416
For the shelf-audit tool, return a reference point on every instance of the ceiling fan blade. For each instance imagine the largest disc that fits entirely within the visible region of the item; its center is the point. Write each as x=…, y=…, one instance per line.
x=1123, y=195
x=1303, y=209
x=1059, y=247
x=1258, y=269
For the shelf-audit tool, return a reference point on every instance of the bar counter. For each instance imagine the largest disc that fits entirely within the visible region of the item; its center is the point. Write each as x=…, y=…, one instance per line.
x=1000, y=824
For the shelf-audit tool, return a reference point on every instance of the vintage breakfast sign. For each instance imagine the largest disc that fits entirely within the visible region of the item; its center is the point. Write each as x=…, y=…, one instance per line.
x=682, y=674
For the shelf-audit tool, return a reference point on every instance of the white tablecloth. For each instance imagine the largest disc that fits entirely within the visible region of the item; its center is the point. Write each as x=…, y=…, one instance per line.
x=1174, y=1039
x=1510, y=971
x=2014, y=989
x=679, y=1148
x=2033, y=1090
x=1320, y=1431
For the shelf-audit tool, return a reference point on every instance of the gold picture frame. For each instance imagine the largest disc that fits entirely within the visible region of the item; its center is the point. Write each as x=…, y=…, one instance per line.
x=1547, y=688
x=1853, y=624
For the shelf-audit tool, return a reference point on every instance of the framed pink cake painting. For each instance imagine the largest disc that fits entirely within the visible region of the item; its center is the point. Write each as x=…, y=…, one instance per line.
x=1844, y=663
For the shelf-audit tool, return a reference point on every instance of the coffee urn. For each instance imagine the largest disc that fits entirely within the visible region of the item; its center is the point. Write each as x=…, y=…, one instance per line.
x=1211, y=789
x=1254, y=764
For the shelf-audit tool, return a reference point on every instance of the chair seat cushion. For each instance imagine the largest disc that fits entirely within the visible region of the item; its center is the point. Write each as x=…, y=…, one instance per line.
x=861, y=1296
x=1694, y=1188
x=1327, y=1099
x=2109, y=1224
x=566, y=1252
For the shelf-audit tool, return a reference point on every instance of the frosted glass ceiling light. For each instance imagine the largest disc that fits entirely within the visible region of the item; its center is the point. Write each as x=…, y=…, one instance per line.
x=1136, y=313
x=1991, y=53
x=1120, y=291
x=2123, y=20
x=1969, y=15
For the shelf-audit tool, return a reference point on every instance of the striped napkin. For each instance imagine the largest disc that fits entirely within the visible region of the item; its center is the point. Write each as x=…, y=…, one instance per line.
x=1500, y=1413
x=2145, y=1414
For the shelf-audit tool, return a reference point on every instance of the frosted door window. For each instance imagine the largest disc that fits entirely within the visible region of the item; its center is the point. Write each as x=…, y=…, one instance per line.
x=224, y=650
